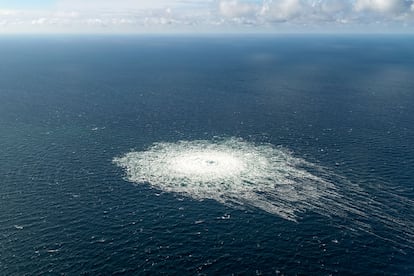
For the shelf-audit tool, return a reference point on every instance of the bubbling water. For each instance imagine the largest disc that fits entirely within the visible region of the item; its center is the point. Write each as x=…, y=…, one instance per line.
x=208, y=163
x=231, y=171
x=242, y=175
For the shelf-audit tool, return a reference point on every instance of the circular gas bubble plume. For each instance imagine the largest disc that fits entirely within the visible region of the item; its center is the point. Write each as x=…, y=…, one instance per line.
x=232, y=171
x=242, y=174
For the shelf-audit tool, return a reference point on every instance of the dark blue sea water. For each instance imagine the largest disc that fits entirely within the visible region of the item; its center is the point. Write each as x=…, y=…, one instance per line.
x=69, y=105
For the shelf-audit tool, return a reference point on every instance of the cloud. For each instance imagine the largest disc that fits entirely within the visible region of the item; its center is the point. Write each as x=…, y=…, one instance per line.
x=334, y=6
x=382, y=6
x=235, y=8
x=320, y=13
x=209, y=15
x=4, y=13
x=282, y=10
x=39, y=21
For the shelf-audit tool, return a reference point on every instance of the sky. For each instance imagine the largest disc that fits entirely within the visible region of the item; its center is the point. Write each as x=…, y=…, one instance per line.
x=206, y=16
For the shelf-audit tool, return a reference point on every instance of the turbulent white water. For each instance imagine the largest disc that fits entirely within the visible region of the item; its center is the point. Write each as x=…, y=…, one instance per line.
x=242, y=174
x=232, y=171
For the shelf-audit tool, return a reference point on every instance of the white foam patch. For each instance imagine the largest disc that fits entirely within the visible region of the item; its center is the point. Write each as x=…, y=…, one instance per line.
x=232, y=171
x=242, y=174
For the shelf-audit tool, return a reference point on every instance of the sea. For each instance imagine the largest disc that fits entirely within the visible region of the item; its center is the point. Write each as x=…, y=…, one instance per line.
x=336, y=112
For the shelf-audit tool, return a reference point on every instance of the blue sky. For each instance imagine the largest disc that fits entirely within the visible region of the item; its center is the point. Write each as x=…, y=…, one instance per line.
x=18, y=4
x=209, y=16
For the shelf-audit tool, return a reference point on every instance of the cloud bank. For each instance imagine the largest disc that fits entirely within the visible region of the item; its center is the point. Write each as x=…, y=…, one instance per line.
x=133, y=16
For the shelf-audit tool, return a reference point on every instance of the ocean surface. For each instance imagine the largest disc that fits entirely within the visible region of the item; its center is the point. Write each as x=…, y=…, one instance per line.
x=335, y=112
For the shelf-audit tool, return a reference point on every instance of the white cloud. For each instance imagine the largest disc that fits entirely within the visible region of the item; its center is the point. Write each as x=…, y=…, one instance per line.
x=208, y=15
x=281, y=10
x=382, y=6
x=334, y=6
x=8, y=12
x=235, y=8
x=39, y=21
